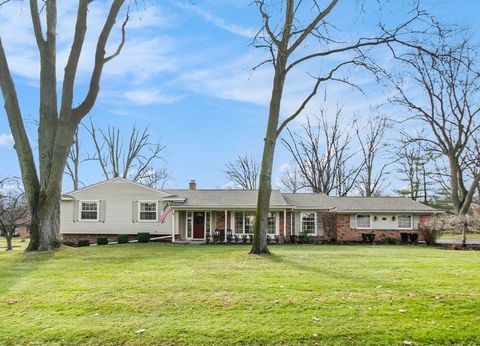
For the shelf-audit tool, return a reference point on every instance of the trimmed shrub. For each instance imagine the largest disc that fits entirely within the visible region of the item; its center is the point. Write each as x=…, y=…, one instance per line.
x=269, y=239
x=102, y=241
x=143, y=237
x=293, y=238
x=368, y=237
x=405, y=237
x=390, y=240
x=122, y=238
x=414, y=237
x=83, y=242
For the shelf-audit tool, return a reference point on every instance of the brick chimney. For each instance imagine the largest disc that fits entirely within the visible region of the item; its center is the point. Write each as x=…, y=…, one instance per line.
x=192, y=185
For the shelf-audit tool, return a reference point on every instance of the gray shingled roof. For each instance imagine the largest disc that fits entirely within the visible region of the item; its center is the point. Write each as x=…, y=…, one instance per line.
x=356, y=204
x=399, y=204
x=226, y=198
x=248, y=199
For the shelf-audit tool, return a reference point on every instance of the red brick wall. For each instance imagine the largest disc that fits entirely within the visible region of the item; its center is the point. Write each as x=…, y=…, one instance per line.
x=290, y=219
x=73, y=238
x=220, y=220
x=345, y=233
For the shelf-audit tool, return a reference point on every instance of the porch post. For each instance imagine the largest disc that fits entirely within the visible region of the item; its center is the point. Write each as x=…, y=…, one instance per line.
x=226, y=219
x=173, y=226
x=285, y=222
x=292, y=231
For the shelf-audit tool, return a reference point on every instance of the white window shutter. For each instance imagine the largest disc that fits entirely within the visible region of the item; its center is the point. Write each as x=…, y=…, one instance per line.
x=353, y=221
x=102, y=210
x=135, y=211
x=319, y=224
x=76, y=204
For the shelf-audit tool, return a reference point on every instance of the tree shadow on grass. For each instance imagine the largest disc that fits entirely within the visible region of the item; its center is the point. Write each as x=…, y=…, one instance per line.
x=15, y=267
x=334, y=273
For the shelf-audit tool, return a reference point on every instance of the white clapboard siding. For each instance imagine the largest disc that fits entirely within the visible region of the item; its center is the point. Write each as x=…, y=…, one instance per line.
x=116, y=210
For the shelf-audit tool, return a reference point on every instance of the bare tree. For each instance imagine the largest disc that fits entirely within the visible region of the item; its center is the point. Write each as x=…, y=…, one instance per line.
x=323, y=156
x=73, y=161
x=440, y=89
x=13, y=209
x=413, y=166
x=156, y=178
x=291, y=179
x=133, y=160
x=58, y=119
x=373, y=145
x=283, y=36
x=242, y=173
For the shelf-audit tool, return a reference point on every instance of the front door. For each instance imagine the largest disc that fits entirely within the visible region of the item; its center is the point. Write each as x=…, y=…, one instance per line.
x=199, y=225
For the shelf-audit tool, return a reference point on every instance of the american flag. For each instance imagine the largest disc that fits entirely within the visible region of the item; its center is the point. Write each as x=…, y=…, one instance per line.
x=166, y=210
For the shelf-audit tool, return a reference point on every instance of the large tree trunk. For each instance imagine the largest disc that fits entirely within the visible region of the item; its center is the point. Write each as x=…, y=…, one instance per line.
x=464, y=233
x=8, y=237
x=259, y=244
x=45, y=225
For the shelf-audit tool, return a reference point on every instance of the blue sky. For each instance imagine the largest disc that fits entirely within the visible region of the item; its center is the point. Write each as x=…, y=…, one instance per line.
x=185, y=73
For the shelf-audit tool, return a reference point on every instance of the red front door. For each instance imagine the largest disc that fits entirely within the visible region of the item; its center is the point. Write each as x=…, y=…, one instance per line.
x=199, y=225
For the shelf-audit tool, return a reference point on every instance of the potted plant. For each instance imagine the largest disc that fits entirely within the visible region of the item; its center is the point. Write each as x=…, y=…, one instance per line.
x=207, y=238
x=277, y=239
x=269, y=239
x=292, y=238
x=244, y=238
x=413, y=237
x=235, y=238
x=370, y=237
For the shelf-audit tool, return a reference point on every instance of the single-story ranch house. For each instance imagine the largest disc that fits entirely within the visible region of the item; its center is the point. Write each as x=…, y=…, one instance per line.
x=120, y=206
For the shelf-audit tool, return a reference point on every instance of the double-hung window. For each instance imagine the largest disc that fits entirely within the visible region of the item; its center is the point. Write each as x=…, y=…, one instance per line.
x=244, y=222
x=363, y=221
x=309, y=223
x=89, y=210
x=405, y=221
x=148, y=211
x=272, y=223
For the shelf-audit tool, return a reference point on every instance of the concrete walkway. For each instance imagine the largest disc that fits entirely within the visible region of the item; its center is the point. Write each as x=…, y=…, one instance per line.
x=472, y=241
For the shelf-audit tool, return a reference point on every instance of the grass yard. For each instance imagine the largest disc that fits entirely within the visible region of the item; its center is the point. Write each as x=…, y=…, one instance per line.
x=180, y=294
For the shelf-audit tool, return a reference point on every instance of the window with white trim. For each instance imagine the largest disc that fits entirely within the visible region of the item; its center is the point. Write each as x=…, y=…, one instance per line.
x=363, y=221
x=148, y=211
x=189, y=222
x=208, y=222
x=89, y=210
x=244, y=222
x=309, y=221
x=404, y=221
x=272, y=223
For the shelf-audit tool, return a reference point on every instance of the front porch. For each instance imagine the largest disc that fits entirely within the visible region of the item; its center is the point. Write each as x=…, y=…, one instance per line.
x=199, y=226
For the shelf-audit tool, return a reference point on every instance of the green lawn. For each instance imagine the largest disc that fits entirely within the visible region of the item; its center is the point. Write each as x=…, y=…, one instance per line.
x=180, y=294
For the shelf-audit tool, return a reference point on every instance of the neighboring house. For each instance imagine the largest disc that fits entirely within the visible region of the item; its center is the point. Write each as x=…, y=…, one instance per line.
x=120, y=206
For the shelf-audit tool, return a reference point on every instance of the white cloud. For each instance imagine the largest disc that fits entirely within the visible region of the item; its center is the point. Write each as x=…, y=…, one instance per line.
x=6, y=140
x=144, y=55
x=219, y=22
x=144, y=97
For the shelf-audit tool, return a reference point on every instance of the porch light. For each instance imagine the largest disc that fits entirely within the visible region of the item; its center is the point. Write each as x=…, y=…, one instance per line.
x=393, y=218
x=375, y=218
